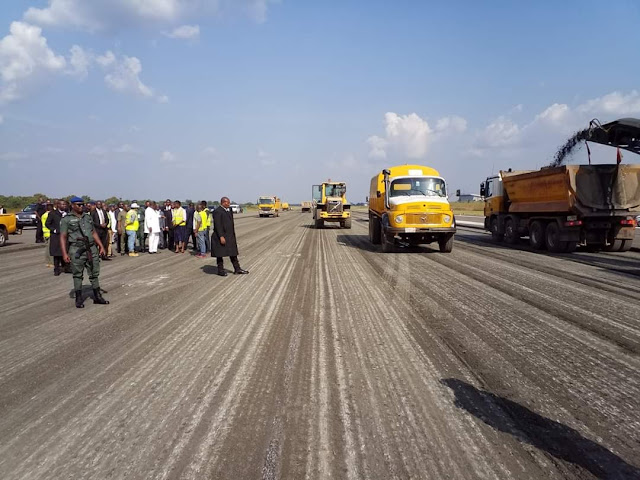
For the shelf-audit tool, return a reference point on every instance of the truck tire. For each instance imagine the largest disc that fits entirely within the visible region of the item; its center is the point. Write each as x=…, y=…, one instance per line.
x=570, y=247
x=495, y=230
x=3, y=236
x=445, y=242
x=319, y=223
x=387, y=243
x=536, y=235
x=374, y=230
x=552, y=238
x=511, y=235
x=614, y=246
x=626, y=245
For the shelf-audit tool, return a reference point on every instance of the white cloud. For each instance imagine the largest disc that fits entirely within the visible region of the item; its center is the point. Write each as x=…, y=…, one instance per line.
x=99, y=15
x=614, y=103
x=125, y=148
x=499, y=133
x=163, y=99
x=106, y=60
x=25, y=58
x=167, y=157
x=125, y=77
x=80, y=61
x=98, y=151
x=263, y=154
x=410, y=135
x=210, y=152
x=185, y=32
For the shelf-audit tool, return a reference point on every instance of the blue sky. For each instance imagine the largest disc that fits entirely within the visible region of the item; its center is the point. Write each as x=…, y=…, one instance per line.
x=203, y=98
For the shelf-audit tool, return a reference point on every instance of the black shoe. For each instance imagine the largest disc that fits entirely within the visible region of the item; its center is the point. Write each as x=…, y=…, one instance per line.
x=222, y=272
x=240, y=271
x=56, y=273
x=97, y=297
x=79, y=299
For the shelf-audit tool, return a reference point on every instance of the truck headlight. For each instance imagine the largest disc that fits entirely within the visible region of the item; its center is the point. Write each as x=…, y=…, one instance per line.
x=399, y=219
x=447, y=218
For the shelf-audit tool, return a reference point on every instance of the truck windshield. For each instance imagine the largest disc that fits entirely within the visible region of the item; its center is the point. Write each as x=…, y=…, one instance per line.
x=267, y=200
x=427, y=186
x=335, y=190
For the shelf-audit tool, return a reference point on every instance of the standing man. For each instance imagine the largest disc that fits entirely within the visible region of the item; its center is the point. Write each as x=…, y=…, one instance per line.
x=84, y=247
x=53, y=224
x=223, y=240
x=100, y=222
x=152, y=226
x=209, y=220
x=168, y=225
x=190, y=212
x=131, y=228
x=119, y=209
x=179, y=226
x=46, y=233
x=40, y=209
x=113, y=228
x=142, y=233
x=122, y=233
x=200, y=229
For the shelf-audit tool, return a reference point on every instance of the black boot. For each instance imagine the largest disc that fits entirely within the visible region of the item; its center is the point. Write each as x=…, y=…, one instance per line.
x=240, y=271
x=97, y=297
x=79, y=299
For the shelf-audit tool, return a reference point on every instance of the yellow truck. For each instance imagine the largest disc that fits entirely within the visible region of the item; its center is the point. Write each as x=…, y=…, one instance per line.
x=7, y=227
x=559, y=208
x=269, y=205
x=408, y=204
x=285, y=207
x=330, y=204
x=306, y=207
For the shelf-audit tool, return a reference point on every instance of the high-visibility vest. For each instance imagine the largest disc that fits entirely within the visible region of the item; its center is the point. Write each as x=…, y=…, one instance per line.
x=46, y=232
x=178, y=219
x=203, y=221
x=132, y=221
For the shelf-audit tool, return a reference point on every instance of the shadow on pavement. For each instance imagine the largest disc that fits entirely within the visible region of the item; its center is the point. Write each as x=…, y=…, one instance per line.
x=553, y=437
x=87, y=292
x=361, y=242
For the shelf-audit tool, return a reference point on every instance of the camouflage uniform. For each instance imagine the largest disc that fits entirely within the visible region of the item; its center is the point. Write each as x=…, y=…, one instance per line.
x=76, y=227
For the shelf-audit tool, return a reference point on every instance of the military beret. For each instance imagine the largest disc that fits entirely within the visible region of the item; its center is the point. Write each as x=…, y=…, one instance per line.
x=76, y=200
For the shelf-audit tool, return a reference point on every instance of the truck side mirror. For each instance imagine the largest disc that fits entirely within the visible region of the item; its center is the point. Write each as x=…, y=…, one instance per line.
x=367, y=199
x=457, y=193
x=482, y=191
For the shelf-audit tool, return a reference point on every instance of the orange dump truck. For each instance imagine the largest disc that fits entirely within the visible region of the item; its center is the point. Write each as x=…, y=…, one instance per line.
x=559, y=208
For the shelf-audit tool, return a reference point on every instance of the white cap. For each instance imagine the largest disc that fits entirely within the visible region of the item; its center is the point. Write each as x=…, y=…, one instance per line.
x=135, y=205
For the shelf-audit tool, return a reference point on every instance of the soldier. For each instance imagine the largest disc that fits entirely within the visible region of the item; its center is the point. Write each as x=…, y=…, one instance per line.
x=77, y=229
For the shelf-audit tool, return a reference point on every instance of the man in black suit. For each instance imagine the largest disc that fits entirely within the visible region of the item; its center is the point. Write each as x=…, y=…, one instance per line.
x=53, y=224
x=100, y=222
x=223, y=240
x=167, y=234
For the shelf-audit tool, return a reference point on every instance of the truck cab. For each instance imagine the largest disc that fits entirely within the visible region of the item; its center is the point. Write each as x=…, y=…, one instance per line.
x=493, y=193
x=408, y=204
x=330, y=204
x=268, y=205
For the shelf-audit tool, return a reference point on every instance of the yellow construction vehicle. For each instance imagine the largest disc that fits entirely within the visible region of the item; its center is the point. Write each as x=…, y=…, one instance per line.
x=330, y=204
x=408, y=204
x=268, y=205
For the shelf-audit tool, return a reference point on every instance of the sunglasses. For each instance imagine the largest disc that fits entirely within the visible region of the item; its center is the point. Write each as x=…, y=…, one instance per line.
x=79, y=204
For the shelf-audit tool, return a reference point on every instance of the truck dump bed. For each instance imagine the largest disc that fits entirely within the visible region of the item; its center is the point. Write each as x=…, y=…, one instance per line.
x=584, y=189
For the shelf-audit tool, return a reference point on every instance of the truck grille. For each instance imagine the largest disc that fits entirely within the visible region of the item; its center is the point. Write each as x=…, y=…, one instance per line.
x=334, y=207
x=424, y=218
x=266, y=209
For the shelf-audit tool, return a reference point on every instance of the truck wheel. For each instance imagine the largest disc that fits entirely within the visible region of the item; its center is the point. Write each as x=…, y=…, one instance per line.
x=626, y=245
x=613, y=246
x=536, y=235
x=495, y=231
x=445, y=242
x=552, y=238
x=3, y=237
x=387, y=243
x=570, y=247
x=347, y=223
x=319, y=223
x=374, y=230
x=511, y=235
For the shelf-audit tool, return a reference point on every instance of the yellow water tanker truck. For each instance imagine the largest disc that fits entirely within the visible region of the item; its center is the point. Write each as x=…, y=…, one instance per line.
x=268, y=205
x=408, y=205
x=330, y=204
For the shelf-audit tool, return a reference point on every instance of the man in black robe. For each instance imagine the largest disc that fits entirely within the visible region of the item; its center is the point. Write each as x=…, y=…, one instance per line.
x=53, y=224
x=223, y=239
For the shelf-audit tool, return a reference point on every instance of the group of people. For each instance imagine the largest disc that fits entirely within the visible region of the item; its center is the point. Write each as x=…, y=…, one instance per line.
x=79, y=236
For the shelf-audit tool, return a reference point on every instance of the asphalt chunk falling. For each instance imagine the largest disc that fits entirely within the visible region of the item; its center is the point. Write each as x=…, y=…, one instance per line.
x=569, y=147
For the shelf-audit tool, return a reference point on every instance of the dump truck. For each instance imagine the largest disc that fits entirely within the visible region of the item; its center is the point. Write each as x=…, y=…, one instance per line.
x=7, y=227
x=408, y=205
x=559, y=208
x=562, y=207
x=285, y=207
x=306, y=207
x=268, y=205
x=330, y=204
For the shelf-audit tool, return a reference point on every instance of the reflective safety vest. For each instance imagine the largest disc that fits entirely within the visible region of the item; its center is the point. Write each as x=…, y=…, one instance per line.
x=46, y=232
x=203, y=221
x=178, y=219
x=132, y=221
